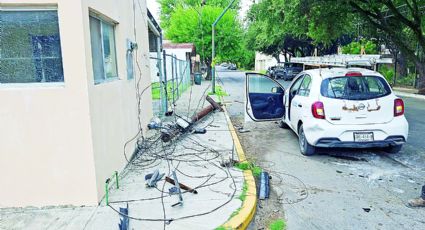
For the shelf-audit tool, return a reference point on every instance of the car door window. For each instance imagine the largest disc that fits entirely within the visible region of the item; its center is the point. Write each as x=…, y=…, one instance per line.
x=305, y=86
x=264, y=98
x=294, y=89
x=261, y=84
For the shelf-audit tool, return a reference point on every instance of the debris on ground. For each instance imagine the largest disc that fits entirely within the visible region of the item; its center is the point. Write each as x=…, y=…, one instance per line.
x=124, y=220
x=153, y=178
x=182, y=186
x=366, y=209
x=182, y=125
x=264, y=186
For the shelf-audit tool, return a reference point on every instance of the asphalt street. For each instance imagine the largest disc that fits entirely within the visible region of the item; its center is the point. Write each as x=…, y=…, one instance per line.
x=338, y=188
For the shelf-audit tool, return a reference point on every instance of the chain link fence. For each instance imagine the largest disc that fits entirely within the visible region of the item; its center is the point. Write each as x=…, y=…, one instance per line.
x=170, y=78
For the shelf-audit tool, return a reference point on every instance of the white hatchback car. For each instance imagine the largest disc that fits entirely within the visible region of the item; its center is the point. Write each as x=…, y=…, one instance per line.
x=332, y=107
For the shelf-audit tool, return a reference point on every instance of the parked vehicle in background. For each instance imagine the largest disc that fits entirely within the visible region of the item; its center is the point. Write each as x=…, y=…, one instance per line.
x=270, y=71
x=287, y=71
x=232, y=67
x=225, y=65
x=337, y=107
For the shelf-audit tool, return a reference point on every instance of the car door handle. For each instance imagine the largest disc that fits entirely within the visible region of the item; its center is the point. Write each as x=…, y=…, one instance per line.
x=299, y=105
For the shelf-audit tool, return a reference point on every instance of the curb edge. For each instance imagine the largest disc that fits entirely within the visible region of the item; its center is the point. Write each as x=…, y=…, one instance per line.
x=411, y=95
x=247, y=211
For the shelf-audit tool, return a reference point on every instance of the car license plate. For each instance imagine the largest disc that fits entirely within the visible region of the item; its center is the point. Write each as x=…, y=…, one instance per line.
x=363, y=137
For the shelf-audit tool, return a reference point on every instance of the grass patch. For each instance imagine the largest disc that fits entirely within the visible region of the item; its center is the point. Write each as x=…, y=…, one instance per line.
x=263, y=72
x=235, y=213
x=156, y=90
x=222, y=228
x=277, y=225
x=242, y=197
x=256, y=170
x=219, y=91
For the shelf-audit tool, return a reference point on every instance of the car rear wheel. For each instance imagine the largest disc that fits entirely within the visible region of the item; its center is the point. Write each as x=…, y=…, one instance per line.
x=305, y=148
x=393, y=149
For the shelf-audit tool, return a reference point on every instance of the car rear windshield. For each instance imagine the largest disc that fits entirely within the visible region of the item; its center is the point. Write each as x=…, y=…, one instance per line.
x=355, y=88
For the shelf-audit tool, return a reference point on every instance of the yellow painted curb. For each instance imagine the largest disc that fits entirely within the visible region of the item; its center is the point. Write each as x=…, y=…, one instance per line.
x=247, y=211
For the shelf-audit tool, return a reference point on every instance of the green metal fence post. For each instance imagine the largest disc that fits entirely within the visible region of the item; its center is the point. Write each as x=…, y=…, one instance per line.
x=107, y=191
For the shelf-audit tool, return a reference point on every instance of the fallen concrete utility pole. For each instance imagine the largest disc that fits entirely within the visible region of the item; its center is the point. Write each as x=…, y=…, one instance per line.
x=182, y=186
x=182, y=126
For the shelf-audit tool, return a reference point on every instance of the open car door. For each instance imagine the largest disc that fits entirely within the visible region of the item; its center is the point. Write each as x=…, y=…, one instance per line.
x=264, y=98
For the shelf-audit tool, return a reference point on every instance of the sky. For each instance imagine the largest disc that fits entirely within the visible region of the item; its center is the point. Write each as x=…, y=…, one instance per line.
x=154, y=8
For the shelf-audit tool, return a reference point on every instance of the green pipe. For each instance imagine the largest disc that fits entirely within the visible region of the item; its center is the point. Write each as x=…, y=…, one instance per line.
x=107, y=186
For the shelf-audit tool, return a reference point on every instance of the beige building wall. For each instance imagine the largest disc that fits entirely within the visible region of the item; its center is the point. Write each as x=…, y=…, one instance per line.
x=113, y=105
x=60, y=141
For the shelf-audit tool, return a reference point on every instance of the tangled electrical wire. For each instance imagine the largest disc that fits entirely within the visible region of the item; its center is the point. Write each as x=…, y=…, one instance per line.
x=185, y=155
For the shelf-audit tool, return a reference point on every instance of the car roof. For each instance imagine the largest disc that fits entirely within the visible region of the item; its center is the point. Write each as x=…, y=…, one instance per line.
x=325, y=73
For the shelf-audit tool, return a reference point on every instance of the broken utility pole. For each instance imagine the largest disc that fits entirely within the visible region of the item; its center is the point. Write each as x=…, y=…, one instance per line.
x=182, y=126
x=182, y=186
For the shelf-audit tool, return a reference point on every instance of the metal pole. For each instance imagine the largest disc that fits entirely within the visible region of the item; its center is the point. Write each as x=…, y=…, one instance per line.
x=177, y=76
x=172, y=80
x=165, y=83
x=161, y=77
x=213, y=44
x=395, y=69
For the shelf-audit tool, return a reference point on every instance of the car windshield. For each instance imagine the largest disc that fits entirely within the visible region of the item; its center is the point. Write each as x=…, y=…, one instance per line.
x=355, y=88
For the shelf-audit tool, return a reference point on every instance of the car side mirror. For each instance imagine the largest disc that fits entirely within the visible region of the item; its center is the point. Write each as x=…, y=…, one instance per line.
x=277, y=90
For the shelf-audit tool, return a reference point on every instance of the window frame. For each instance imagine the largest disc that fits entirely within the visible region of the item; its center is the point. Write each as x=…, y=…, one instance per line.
x=31, y=8
x=298, y=79
x=261, y=76
x=327, y=81
x=102, y=20
x=308, y=89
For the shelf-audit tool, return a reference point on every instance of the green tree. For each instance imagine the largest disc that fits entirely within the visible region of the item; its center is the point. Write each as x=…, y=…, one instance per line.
x=356, y=47
x=283, y=27
x=187, y=25
x=169, y=6
x=398, y=22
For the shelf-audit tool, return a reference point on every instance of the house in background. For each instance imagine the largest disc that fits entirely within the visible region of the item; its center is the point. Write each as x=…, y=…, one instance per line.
x=68, y=97
x=182, y=51
x=263, y=61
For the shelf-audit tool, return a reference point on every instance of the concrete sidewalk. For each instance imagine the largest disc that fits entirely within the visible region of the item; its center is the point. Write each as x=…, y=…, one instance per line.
x=408, y=92
x=195, y=158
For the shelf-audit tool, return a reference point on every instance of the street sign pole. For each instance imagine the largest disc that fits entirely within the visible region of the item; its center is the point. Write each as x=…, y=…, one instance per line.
x=213, y=44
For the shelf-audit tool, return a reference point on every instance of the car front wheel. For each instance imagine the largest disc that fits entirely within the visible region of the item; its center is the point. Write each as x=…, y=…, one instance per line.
x=305, y=148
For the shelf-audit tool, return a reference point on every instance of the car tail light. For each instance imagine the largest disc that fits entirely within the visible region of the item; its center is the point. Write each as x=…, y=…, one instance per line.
x=353, y=74
x=318, y=110
x=398, y=107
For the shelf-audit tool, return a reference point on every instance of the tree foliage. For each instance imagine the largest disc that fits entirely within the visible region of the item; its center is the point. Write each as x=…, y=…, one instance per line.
x=169, y=6
x=356, y=47
x=288, y=27
x=187, y=25
x=399, y=24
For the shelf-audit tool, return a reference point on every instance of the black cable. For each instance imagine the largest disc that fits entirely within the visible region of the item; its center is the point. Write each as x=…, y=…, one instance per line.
x=151, y=152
